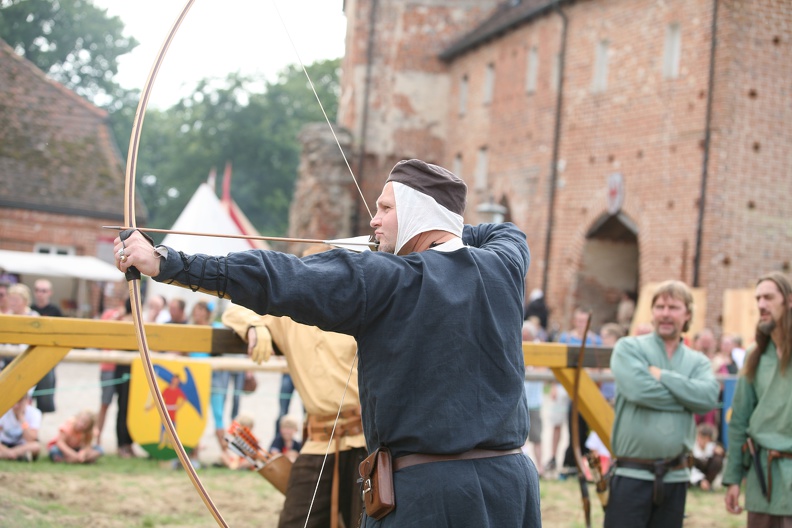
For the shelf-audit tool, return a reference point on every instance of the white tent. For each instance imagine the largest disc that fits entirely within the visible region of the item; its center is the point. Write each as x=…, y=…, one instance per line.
x=203, y=213
x=50, y=265
x=69, y=275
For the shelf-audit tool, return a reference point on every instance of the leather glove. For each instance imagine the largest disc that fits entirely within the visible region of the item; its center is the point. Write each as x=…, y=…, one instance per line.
x=259, y=344
x=250, y=326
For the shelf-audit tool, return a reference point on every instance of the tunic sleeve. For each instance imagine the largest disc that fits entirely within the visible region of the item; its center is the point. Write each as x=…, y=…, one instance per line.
x=698, y=392
x=630, y=368
x=743, y=405
x=325, y=290
x=501, y=238
x=240, y=320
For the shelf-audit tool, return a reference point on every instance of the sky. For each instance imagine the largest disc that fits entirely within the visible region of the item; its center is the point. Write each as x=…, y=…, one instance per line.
x=218, y=37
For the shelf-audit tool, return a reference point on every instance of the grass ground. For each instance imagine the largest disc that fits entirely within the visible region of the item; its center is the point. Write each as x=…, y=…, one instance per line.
x=118, y=493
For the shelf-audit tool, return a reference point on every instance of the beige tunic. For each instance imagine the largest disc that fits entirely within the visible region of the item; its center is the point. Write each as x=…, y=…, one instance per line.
x=319, y=364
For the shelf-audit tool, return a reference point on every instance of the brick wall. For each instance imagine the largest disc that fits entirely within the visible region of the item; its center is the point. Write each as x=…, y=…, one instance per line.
x=23, y=229
x=407, y=83
x=748, y=227
x=516, y=129
x=325, y=196
x=649, y=128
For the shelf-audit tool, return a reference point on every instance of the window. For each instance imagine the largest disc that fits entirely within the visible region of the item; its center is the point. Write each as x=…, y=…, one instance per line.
x=457, y=168
x=50, y=249
x=672, y=51
x=481, y=169
x=463, y=94
x=533, y=69
x=489, y=83
x=600, y=82
x=555, y=80
x=104, y=250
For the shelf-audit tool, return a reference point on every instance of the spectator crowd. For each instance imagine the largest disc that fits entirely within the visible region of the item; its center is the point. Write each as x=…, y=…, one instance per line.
x=78, y=440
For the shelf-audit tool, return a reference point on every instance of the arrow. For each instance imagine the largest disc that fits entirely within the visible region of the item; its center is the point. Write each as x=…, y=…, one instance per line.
x=358, y=244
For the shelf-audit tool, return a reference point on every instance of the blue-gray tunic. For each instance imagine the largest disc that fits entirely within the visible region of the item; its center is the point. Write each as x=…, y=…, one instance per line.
x=441, y=365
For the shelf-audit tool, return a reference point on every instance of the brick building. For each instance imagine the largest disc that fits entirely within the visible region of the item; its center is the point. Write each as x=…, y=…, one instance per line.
x=632, y=140
x=61, y=176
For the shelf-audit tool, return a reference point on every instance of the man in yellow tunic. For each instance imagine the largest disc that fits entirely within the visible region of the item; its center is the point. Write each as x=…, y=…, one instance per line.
x=320, y=363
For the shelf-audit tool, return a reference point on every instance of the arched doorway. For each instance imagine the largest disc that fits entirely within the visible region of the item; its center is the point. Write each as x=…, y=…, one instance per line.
x=609, y=266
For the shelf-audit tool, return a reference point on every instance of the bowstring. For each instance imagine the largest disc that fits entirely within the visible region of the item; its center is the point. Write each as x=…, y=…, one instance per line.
x=365, y=204
x=327, y=119
x=330, y=441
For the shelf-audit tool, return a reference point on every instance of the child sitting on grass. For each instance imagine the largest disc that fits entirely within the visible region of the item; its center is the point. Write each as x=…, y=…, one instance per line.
x=708, y=457
x=74, y=443
x=19, y=431
x=285, y=443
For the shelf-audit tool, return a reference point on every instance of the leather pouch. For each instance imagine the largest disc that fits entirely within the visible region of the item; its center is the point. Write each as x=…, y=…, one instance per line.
x=376, y=474
x=277, y=470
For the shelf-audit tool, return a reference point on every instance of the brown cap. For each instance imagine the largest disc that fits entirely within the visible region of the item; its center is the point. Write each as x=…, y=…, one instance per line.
x=439, y=183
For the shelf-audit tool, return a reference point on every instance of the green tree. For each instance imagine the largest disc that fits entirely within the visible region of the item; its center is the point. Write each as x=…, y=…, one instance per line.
x=272, y=154
x=72, y=41
x=78, y=45
x=257, y=132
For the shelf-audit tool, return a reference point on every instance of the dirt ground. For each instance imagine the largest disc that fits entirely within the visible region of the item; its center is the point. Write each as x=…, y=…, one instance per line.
x=145, y=498
x=119, y=493
x=95, y=496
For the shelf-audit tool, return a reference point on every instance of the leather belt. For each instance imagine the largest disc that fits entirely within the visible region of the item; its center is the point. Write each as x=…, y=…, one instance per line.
x=773, y=454
x=422, y=458
x=321, y=427
x=685, y=460
x=659, y=467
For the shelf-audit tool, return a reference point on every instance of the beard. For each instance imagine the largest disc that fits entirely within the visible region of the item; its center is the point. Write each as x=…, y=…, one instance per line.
x=766, y=328
x=385, y=247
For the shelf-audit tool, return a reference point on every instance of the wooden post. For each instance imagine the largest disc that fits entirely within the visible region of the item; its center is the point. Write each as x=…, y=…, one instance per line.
x=26, y=370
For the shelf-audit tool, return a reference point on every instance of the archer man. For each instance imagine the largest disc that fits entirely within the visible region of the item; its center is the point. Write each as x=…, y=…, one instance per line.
x=437, y=314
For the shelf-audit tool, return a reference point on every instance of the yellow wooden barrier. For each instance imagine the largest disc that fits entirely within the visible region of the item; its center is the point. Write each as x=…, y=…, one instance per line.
x=115, y=335
x=50, y=339
x=562, y=359
x=25, y=371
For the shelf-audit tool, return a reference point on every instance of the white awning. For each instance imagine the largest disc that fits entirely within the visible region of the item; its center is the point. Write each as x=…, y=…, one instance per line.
x=79, y=267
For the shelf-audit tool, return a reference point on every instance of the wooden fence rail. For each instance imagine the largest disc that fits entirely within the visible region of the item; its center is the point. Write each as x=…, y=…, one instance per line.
x=50, y=340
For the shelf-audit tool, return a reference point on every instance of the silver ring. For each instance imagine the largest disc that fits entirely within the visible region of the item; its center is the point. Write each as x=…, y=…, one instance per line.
x=121, y=253
x=123, y=258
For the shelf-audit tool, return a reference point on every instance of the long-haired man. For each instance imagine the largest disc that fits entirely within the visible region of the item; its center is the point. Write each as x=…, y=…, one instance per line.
x=760, y=430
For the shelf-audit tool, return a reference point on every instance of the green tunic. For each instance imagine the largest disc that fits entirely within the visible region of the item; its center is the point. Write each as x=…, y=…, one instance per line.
x=654, y=418
x=763, y=411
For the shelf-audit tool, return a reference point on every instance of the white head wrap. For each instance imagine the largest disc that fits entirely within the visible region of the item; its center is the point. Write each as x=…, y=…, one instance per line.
x=417, y=213
x=428, y=198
